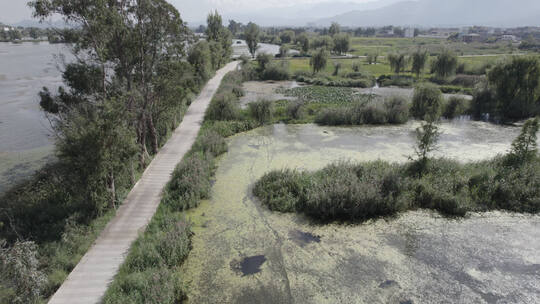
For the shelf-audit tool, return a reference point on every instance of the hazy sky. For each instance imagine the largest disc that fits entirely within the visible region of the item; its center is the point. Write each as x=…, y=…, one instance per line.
x=191, y=10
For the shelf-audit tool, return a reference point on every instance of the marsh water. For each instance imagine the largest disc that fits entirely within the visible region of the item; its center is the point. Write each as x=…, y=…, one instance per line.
x=25, y=133
x=243, y=253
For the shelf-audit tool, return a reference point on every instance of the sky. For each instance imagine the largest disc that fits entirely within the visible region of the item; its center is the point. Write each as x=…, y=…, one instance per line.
x=12, y=11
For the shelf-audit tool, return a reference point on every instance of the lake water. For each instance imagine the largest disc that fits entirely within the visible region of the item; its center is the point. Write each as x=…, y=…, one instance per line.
x=244, y=253
x=25, y=133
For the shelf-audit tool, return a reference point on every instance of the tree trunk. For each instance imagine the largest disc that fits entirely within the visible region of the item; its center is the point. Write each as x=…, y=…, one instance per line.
x=112, y=188
x=142, y=141
x=153, y=134
x=132, y=173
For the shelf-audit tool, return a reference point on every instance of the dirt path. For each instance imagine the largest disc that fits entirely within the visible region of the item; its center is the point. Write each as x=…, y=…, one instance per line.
x=89, y=280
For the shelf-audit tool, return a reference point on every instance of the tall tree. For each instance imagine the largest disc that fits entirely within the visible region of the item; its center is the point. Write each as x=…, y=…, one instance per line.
x=445, y=65
x=334, y=29
x=517, y=87
x=214, y=26
x=341, y=43
x=252, y=34
x=318, y=60
x=419, y=60
x=398, y=62
x=234, y=27
x=303, y=41
x=120, y=45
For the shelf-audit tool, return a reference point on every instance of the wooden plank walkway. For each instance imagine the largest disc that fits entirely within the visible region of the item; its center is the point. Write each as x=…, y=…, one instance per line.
x=88, y=281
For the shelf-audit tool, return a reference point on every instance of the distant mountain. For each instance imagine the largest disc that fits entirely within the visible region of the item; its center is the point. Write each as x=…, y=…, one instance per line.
x=300, y=15
x=504, y=13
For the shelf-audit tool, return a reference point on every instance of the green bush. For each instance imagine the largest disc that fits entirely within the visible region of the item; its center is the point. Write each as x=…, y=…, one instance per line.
x=231, y=127
x=223, y=107
x=397, y=109
x=209, y=141
x=426, y=102
x=395, y=80
x=469, y=81
x=340, y=191
x=394, y=110
x=295, y=109
x=283, y=191
x=261, y=111
x=344, y=191
x=152, y=286
x=275, y=72
x=455, y=107
x=190, y=182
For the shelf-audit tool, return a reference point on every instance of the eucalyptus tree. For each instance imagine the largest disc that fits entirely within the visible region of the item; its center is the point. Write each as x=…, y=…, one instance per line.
x=111, y=102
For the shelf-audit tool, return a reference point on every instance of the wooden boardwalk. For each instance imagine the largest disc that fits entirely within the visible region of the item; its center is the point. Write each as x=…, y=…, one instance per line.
x=88, y=281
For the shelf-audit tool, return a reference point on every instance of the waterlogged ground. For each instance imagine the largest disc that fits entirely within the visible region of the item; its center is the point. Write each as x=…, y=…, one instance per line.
x=243, y=253
x=259, y=90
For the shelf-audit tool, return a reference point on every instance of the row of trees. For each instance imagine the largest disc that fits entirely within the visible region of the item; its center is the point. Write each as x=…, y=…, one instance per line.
x=443, y=66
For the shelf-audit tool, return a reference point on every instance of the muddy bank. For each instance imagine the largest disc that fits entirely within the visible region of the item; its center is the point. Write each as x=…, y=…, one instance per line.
x=417, y=257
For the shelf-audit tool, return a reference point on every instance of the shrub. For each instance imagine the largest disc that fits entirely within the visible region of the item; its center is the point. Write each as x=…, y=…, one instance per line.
x=395, y=80
x=190, y=182
x=295, y=109
x=174, y=242
x=263, y=60
x=347, y=192
x=444, y=65
x=393, y=110
x=19, y=270
x=356, y=67
x=397, y=109
x=152, y=286
x=468, y=81
x=483, y=102
x=426, y=102
x=261, y=111
x=454, y=107
x=283, y=191
x=517, y=187
x=275, y=72
x=334, y=116
x=231, y=127
x=223, y=107
x=209, y=141
x=524, y=147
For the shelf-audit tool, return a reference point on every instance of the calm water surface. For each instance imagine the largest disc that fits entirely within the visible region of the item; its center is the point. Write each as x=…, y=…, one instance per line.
x=25, y=133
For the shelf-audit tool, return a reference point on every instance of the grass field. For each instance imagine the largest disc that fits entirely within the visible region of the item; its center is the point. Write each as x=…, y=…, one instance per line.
x=382, y=46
